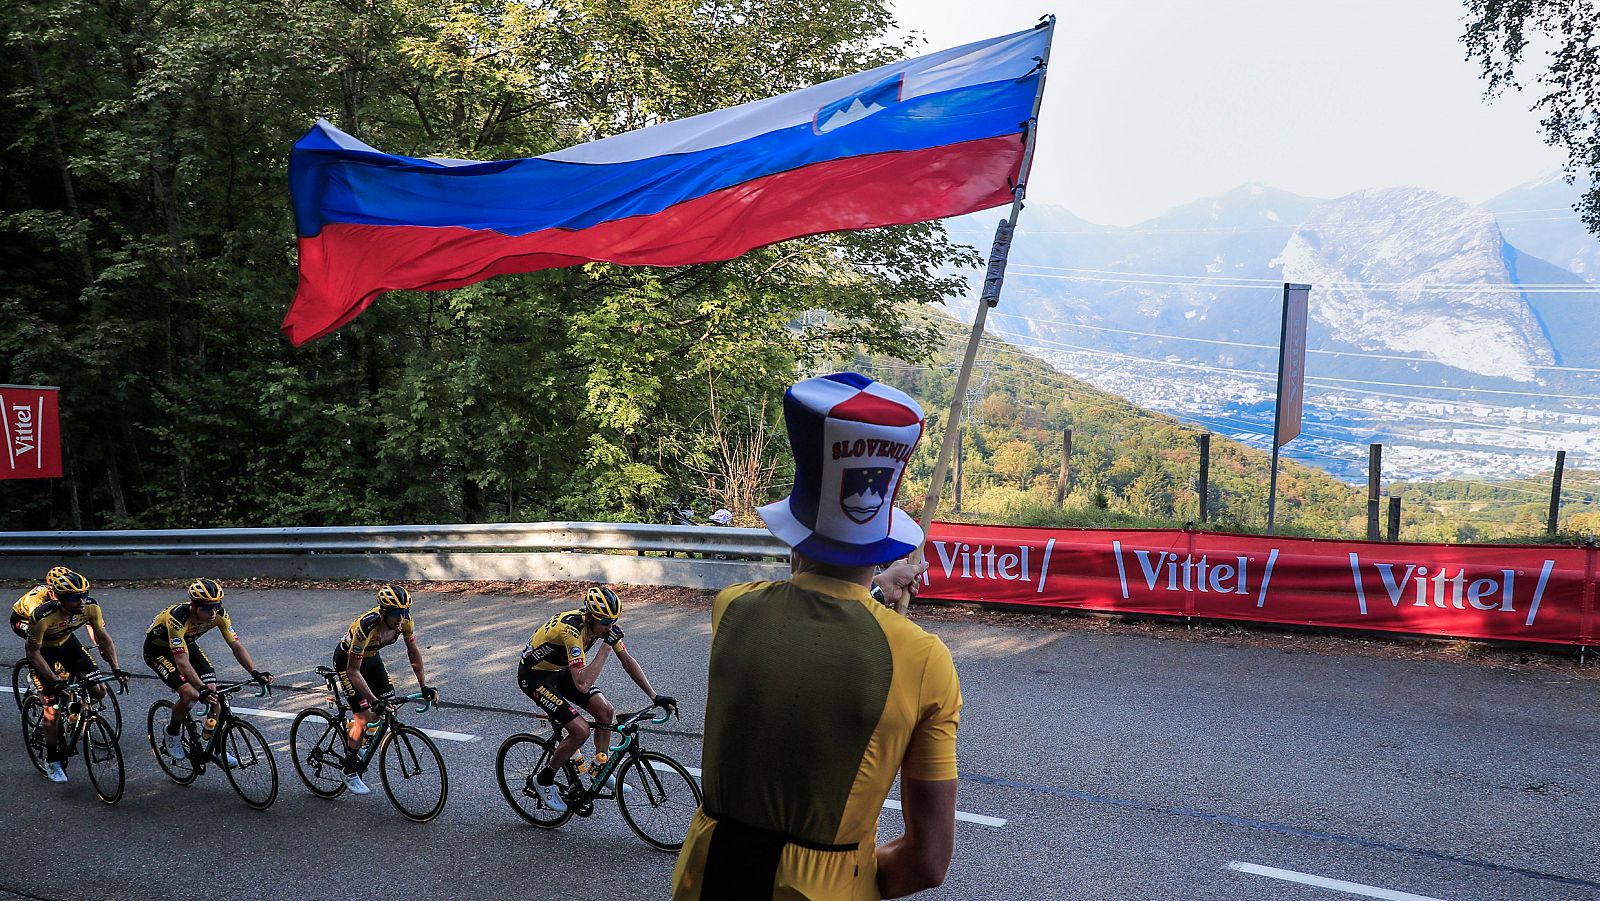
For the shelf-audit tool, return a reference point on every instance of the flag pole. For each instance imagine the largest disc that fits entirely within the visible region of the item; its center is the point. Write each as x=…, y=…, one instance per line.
x=991, y=296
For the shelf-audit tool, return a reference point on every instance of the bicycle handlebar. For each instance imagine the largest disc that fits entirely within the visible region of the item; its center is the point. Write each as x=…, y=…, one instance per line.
x=427, y=704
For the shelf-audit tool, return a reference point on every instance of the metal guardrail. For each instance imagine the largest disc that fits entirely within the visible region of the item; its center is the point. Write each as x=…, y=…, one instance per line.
x=560, y=536
x=699, y=556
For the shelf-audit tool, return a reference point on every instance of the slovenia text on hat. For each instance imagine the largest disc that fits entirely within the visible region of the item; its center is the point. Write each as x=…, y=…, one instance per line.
x=851, y=438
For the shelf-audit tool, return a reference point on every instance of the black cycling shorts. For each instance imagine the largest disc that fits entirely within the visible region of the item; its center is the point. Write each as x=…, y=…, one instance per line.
x=158, y=656
x=372, y=670
x=70, y=656
x=554, y=692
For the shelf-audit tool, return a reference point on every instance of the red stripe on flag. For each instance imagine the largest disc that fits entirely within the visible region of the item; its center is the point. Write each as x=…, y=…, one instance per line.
x=345, y=267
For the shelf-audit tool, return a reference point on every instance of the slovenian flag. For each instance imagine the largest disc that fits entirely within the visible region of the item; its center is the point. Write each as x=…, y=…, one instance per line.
x=935, y=136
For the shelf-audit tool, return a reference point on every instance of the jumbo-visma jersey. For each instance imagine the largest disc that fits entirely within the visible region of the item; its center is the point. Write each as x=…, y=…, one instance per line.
x=174, y=628
x=51, y=626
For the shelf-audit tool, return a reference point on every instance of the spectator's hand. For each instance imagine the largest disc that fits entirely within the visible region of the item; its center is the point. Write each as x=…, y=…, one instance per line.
x=667, y=702
x=903, y=579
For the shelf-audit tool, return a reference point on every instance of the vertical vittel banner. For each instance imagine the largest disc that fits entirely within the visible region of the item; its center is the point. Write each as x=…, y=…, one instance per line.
x=1517, y=593
x=1292, y=362
x=30, y=431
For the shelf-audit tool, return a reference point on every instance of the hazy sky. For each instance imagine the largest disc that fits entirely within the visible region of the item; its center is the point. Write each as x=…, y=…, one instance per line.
x=1152, y=103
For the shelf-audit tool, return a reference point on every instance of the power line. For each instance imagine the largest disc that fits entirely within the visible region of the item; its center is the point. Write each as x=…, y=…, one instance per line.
x=1331, y=353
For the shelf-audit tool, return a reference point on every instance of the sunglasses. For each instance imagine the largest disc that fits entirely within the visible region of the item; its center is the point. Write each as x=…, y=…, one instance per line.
x=402, y=613
x=211, y=607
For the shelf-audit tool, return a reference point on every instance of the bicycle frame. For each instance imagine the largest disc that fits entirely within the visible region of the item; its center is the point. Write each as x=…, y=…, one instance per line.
x=627, y=729
x=224, y=715
x=70, y=726
x=384, y=724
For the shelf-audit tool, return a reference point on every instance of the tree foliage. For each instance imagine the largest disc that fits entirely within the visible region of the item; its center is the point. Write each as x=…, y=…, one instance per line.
x=1566, y=33
x=149, y=253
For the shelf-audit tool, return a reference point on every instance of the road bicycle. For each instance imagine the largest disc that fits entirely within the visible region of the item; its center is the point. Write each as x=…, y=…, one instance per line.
x=407, y=759
x=656, y=794
x=22, y=686
x=78, y=726
x=231, y=743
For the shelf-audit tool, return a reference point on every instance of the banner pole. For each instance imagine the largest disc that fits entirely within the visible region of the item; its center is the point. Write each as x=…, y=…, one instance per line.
x=991, y=296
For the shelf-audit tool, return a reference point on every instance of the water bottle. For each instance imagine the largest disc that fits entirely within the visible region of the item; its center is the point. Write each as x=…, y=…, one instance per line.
x=211, y=723
x=579, y=763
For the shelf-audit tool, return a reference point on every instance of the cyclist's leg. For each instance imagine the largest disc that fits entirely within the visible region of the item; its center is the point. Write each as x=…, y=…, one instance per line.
x=377, y=679
x=603, y=712
x=158, y=657
x=78, y=665
x=542, y=689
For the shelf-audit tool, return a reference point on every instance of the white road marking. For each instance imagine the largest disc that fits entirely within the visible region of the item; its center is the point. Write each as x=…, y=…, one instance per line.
x=280, y=715
x=1337, y=885
x=892, y=804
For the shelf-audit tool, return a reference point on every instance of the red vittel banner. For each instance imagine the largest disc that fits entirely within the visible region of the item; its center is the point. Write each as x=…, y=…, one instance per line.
x=1507, y=592
x=29, y=427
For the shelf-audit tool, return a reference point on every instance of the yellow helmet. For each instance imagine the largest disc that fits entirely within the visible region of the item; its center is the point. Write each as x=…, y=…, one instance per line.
x=394, y=597
x=602, y=603
x=64, y=581
x=205, y=591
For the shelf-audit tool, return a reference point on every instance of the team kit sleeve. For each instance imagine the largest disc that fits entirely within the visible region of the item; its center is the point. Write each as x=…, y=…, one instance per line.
x=225, y=626
x=931, y=754
x=175, y=640
x=574, y=643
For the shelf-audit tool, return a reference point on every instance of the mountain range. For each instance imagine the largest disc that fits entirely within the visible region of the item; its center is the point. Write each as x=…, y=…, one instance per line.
x=1460, y=335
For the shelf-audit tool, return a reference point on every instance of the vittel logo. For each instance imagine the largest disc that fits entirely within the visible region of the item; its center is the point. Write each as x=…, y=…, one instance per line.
x=959, y=560
x=22, y=434
x=1166, y=571
x=1443, y=587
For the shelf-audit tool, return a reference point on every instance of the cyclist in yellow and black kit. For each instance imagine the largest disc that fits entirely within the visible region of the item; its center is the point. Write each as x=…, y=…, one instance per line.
x=51, y=642
x=559, y=676
x=171, y=649
x=362, y=676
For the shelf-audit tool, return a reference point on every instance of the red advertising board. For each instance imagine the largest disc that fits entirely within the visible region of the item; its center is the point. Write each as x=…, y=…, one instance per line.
x=31, y=433
x=1513, y=593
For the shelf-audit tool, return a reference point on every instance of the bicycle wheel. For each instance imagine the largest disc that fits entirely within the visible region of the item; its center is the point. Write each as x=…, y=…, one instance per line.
x=317, y=743
x=182, y=771
x=663, y=800
x=110, y=709
x=21, y=681
x=255, y=776
x=412, y=771
x=521, y=758
x=33, y=731
x=102, y=757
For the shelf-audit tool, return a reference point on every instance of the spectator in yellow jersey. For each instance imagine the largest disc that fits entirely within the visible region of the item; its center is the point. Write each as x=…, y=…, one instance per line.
x=51, y=642
x=558, y=674
x=362, y=676
x=172, y=651
x=818, y=695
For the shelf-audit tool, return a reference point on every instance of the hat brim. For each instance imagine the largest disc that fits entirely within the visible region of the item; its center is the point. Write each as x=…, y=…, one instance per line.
x=904, y=537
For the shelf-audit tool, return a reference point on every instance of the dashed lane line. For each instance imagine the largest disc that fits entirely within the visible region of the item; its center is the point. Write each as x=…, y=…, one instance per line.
x=280, y=715
x=1337, y=885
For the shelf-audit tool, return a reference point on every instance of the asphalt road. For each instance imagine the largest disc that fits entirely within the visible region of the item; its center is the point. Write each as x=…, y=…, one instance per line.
x=1093, y=766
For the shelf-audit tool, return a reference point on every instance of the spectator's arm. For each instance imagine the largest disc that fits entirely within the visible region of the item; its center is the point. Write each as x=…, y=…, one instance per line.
x=918, y=860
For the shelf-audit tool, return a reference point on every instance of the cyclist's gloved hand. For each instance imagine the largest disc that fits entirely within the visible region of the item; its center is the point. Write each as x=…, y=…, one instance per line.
x=207, y=695
x=430, y=694
x=122, y=676
x=379, y=705
x=261, y=676
x=52, y=689
x=669, y=703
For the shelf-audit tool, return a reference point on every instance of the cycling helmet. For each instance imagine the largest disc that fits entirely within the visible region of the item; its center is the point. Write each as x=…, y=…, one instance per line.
x=394, y=597
x=602, y=604
x=64, y=581
x=205, y=591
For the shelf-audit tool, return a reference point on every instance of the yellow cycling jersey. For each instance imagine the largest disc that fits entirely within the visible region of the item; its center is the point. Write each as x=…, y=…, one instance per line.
x=51, y=626
x=363, y=639
x=816, y=697
x=29, y=602
x=559, y=643
x=175, y=627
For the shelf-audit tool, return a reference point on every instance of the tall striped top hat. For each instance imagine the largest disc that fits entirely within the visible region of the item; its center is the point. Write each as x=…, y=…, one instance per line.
x=851, y=438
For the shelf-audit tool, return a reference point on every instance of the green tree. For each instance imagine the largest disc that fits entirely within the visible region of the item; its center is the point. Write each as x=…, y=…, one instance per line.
x=1499, y=33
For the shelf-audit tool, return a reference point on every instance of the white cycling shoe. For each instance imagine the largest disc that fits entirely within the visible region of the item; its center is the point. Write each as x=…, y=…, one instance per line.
x=550, y=797
x=352, y=781
x=55, y=773
x=174, y=746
